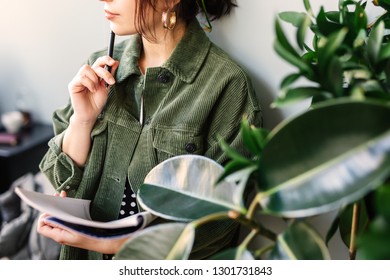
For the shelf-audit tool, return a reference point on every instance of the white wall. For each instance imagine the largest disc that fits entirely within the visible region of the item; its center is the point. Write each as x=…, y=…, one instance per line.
x=42, y=45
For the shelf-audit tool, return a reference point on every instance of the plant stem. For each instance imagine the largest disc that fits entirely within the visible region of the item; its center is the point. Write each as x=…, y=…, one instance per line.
x=245, y=243
x=354, y=230
x=257, y=254
x=253, y=206
x=211, y=217
x=249, y=238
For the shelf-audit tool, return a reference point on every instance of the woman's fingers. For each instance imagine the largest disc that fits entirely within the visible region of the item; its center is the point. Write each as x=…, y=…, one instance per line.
x=55, y=232
x=101, y=71
x=95, y=76
x=61, y=194
x=85, y=78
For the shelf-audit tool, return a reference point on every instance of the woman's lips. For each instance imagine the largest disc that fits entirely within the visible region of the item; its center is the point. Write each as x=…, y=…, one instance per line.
x=110, y=15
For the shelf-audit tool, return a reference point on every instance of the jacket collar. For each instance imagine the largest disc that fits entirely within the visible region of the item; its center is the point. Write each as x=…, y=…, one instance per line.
x=185, y=61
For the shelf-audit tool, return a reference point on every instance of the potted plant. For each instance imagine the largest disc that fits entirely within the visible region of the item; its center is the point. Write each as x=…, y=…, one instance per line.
x=333, y=157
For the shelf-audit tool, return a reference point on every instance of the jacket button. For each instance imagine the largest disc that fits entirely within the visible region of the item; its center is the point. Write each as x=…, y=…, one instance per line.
x=190, y=147
x=163, y=77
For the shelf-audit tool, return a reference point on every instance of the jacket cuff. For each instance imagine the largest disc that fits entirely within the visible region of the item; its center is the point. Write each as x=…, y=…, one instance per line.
x=60, y=168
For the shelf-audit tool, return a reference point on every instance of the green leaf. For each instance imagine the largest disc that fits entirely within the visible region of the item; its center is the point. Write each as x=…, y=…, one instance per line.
x=241, y=178
x=233, y=254
x=374, y=43
x=254, y=138
x=308, y=7
x=384, y=53
x=326, y=158
x=233, y=154
x=384, y=3
x=164, y=241
x=296, y=94
x=232, y=167
x=183, y=188
x=289, y=80
x=372, y=88
x=299, y=242
x=328, y=50
x=333, y=16
x=354, y=18
x=375, y=243
x=332, y=229
x=281, y=38
x=302, y=30
x=295, y=18
x=345, y=224
x=292, y=59
x=335, y=76
x=325, y=26
x=382, y=199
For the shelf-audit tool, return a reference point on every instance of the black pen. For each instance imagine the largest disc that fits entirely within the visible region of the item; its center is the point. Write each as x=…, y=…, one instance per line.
x=110, y=51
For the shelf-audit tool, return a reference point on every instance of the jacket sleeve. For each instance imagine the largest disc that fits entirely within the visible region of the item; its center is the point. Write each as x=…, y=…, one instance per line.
x=238, y=101
x=58, y=167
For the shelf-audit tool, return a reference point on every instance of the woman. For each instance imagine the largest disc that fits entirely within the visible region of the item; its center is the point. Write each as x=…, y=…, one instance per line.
x=171, y=92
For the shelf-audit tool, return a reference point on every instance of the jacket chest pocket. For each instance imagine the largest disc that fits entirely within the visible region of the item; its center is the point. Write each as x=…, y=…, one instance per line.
x=169, y=142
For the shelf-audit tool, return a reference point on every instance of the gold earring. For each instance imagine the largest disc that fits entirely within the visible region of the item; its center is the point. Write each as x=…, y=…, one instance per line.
x=169, y=19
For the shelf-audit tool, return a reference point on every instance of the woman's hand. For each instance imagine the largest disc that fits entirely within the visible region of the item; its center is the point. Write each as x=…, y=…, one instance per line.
x=88, y=90
x=88, y=94
x=76, y=239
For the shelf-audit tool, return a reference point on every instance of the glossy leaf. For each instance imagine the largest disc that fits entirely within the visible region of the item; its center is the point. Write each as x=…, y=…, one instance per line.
x=296, y=94
x=183, y=188
x=164, y=241
x=329, y=48
x=374, y=244
x=308, y=7
x=289, y=80
x=326, y=158
x=375, y=42
x=383, y=3
x=233, y=154
x=332, y=229
x=382, y=201
x=345, y=224
x=384, y=53
x=299, y=242
x=325, y=26
x=294, y=60
x=302, y=30
x=254, y=138
x=283, y=40
x=335, y=78
x=234, y=167
x=295, y=18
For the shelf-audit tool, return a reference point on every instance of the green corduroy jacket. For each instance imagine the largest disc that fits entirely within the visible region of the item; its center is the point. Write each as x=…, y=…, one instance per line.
x=198, y=95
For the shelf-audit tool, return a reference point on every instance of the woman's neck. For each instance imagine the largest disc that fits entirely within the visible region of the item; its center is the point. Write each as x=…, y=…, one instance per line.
x=157, y=52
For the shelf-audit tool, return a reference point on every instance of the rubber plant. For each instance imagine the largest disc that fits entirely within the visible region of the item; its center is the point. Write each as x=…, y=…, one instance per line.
x=333, y=157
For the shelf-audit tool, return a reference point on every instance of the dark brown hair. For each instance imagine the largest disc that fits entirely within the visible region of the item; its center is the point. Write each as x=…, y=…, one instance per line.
x=185, y=9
